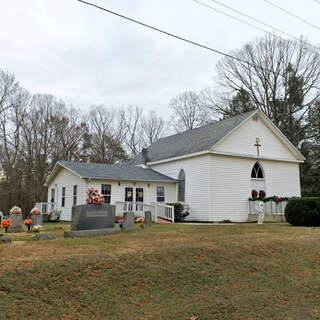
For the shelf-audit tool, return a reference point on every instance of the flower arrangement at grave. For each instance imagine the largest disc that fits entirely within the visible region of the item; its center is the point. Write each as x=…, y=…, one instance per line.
x=15, y=210
x=35, y=210
x=28, y=222
x=140, y=221
x=94, y=197
x=120, y=223
x=276, y=199
x=5, y=224
x=36, y=229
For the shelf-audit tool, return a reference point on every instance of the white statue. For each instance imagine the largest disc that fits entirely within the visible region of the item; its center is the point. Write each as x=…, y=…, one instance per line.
x=260, y=212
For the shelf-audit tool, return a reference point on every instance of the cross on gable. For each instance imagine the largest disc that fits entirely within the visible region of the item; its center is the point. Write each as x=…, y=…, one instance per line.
x=257, y=145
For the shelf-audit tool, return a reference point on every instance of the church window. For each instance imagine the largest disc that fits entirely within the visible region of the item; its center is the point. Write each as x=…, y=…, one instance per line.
x=63, y=197
x=160, y=194
x=181, y=186
x=106, y=192
x=257, y=172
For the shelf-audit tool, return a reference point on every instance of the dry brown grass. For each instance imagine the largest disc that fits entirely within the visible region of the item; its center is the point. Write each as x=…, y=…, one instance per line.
x=166, y=272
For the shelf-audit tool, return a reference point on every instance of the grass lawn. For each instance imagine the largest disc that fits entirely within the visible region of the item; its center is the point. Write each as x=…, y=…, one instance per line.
x=166, y=272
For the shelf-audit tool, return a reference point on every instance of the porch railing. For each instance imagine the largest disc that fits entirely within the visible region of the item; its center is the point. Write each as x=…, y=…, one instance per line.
x=269, y=207
x=164, y=211
x=138, y=208
x=46, y=207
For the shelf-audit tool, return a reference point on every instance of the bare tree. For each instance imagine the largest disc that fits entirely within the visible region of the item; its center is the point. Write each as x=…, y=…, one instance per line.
x=153, y=127
x=281, y=80
x=134, y=138
x=188, y=111
x=106, y=132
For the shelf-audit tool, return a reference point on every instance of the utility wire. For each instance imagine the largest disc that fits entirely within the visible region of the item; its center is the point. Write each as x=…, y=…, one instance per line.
x=254, y=19
x=292, y=14
x=175, y=36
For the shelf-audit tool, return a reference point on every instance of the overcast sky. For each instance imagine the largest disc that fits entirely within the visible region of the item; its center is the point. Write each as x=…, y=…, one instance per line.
x=85, y=56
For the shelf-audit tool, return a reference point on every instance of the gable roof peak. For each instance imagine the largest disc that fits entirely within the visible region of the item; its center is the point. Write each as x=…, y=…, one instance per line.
x=194, y=140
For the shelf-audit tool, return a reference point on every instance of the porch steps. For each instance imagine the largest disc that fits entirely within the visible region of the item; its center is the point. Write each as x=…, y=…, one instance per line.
x=160, y=220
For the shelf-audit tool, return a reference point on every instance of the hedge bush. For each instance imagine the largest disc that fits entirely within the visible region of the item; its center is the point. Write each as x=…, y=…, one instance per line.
x=303, y=211
x=179, y=213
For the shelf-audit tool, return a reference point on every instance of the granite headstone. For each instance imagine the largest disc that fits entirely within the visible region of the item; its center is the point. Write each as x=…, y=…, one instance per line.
x=128, y=221
x=92, y=217
x=16, y=223
x=37, y=220
x=148, y=219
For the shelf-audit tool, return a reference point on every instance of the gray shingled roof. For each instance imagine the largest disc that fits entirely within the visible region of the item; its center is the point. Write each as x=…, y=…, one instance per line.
x=115, y=172
x=196, y=140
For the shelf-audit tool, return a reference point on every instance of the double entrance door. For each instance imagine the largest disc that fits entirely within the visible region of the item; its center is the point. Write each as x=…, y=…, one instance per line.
x=134, y=198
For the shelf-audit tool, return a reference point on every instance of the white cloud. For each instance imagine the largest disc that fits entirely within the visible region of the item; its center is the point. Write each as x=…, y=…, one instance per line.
x=87, y=57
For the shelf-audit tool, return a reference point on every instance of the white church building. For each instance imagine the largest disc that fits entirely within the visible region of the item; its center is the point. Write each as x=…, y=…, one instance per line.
x=212, y=169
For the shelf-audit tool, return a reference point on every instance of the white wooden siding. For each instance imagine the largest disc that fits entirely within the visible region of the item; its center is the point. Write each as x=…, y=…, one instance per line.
x=149, y=192
x=230, y=179
x=242, y=141
x=197, y=191
x=67, y=179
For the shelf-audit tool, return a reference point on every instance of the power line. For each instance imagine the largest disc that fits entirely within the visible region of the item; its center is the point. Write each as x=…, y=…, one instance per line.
x=254, y=19
x=292, y=14
x=175, y=36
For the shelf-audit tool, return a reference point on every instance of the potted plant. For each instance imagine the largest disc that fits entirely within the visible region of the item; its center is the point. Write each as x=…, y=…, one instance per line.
x=254, y=194
x=36, y=229
x=28, y=222
x=139, y=221
x=5, y=224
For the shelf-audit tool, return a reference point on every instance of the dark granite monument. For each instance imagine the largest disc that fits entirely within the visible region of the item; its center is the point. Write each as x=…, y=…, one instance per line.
x=93, y=217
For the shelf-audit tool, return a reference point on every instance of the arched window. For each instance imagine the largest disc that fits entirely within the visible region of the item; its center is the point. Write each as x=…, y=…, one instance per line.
x=257, y=172
x=181, y=185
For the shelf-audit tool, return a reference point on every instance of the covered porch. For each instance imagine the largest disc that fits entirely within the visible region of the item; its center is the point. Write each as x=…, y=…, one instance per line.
x=158, y=210
x=273, y=212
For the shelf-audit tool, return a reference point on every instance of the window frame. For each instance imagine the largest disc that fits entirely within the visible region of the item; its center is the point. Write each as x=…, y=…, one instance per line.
x=182, y=186
x=159, y=196
x=106, y=195
x=256, y=172
x=63, y=197
x=126, y=190
x=75, y=194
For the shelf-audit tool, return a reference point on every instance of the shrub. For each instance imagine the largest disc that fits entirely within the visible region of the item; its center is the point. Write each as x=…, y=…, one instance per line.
x=303, y=211
x=179, y=211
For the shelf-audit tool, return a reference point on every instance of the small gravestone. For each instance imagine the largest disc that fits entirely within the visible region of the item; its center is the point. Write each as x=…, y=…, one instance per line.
x=16, y=223
x=5, y=239
x=44, y=236
x=128, y=221
x=37, y=220
x=1, y=216
x=92, y=217
x=148, y=219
